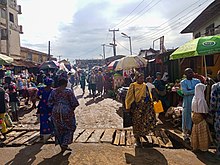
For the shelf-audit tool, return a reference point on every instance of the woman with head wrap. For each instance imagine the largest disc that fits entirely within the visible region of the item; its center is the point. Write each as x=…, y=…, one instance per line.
x=144, y=118
x=200, y=137
x=43, y=109
x=64, y=103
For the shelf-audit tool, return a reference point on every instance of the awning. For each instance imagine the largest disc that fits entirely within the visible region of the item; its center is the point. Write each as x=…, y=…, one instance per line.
x=24, y=63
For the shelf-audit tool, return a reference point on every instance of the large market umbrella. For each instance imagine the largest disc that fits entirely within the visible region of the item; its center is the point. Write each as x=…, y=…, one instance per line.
x=130, y=62
x=49, y=65
x=201, y=46
x=113, y=65
x=5, y=59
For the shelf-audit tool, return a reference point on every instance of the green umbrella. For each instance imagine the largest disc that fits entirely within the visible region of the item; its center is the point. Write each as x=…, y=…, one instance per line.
x=5, y=59
x=200, y=46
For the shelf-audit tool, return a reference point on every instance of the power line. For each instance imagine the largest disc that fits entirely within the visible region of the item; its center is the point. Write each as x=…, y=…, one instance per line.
x=124, y=46
x=134, y=18
x=168, y=26
x=129, y=13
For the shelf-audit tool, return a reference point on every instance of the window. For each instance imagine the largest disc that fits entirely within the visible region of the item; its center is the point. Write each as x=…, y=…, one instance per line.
x=210, y=30
x=40, y=58
x=11, y=17
x=209, y=60
x=198, y=35
x=29, y=57
x=3, y=13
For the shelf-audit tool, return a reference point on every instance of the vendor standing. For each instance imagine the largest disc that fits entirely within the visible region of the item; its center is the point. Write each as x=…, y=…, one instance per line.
x=160, y=85
x=188, y=88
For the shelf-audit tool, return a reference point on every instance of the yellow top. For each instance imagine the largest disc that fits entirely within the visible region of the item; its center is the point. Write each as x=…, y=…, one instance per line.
x=140, y=92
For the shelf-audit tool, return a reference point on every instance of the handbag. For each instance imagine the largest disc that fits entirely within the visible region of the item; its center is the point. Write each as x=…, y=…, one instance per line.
x=158, y=107
x=127, y=116
x=127, y=119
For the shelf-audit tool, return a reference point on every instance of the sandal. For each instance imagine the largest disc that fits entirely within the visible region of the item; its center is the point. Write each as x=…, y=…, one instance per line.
x=65, y=148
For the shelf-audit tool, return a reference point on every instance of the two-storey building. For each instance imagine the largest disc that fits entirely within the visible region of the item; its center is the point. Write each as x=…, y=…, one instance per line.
x=206, y=24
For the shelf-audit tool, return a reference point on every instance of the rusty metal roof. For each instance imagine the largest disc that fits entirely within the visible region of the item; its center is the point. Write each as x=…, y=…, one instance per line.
x=210, y=12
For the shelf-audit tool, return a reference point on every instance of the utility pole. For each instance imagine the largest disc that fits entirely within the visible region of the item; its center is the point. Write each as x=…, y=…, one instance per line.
x=129, y=37
x=48, y=58
x=114, y=45
x=103, y=49
x=59, y=57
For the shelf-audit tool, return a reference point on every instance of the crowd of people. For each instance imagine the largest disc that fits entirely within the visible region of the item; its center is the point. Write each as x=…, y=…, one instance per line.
x=55, y=108
x=140, y=97
x=57, y=102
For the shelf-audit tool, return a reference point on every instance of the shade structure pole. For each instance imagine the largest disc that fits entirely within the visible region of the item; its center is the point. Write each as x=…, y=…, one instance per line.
x=204, y=59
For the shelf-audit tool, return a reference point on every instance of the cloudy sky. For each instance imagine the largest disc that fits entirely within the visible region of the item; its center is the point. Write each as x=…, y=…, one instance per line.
x=78, y=28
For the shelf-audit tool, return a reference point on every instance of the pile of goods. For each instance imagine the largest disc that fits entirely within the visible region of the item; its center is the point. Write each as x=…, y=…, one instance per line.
x=174, y=115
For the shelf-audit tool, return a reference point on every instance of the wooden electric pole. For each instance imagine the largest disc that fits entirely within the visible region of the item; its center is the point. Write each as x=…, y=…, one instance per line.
x=114, y=44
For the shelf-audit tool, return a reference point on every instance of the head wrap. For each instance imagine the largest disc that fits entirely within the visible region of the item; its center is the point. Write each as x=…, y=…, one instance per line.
x=48, y=81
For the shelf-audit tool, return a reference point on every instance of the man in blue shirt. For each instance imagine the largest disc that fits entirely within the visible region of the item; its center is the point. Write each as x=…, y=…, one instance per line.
x=188, y=88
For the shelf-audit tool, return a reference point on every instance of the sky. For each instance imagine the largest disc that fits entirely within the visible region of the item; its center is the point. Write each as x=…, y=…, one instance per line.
x=78, y=28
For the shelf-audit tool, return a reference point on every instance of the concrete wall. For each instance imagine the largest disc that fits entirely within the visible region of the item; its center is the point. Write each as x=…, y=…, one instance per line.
x=14, y=34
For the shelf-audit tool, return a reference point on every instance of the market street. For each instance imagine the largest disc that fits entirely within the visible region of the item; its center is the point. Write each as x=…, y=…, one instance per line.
x=100, y=113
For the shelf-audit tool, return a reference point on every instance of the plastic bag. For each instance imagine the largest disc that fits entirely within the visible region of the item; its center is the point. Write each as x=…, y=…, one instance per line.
x=158, y=107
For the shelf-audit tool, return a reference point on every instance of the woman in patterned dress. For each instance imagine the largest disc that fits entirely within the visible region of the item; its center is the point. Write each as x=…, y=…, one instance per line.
x=44, y=110
x=215, y=109
x=64, y=103
x=144, y=119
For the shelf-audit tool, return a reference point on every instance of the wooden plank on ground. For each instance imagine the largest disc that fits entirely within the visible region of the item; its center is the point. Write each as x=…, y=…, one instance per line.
x=160, y=140
x=77, y=133
x=21, y=139
x=132, y=138
x=34, y=140
x=143, y=140
x=84, y=136
x=15, y=135
x=149, y=139
x=178, y=137
x=166, y=139
x=122, y=138
x=128, y=138
x=36, y=134
x=155, y=140
x=25, y=129
x=116, y=140
x=96, y=136
x=108, y=136
x=11, y=134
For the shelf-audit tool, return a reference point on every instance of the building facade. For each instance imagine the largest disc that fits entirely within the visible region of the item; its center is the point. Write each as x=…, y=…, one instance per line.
x=34, y=56
x=10, y=29
x=206, y=24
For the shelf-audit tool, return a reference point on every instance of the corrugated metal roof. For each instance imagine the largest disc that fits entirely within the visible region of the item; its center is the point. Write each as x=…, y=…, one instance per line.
x=209, y=13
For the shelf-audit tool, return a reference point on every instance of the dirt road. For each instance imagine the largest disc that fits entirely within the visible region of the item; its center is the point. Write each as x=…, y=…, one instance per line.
x=97, y=113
